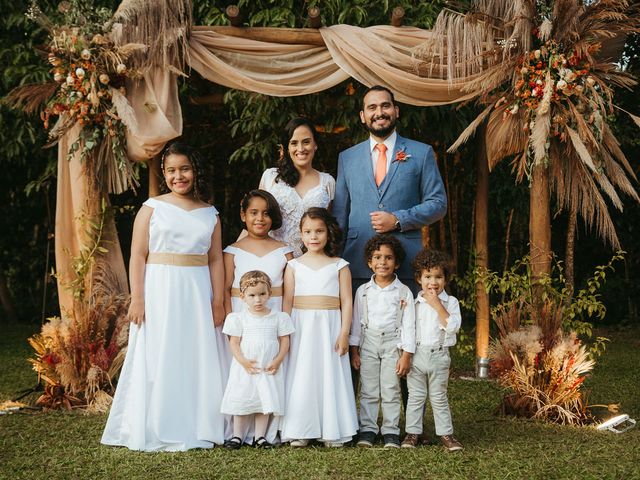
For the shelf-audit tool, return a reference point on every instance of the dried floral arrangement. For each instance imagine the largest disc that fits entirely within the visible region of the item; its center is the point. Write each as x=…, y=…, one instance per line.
x=539, y=355
x=541, y=367
x=79, y=355
x=546, y=70
x=89, y=70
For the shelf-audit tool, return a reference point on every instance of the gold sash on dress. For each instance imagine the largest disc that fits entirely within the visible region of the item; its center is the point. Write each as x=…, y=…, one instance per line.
x=275, y=292
x=178, y=259
x=316, y=302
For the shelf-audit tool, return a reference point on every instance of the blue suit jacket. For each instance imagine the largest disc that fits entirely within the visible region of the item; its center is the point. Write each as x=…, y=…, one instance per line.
x=412, y=190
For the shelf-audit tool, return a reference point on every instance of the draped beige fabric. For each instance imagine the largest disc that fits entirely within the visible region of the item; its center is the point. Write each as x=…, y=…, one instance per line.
x=75, y=204
x=375, y=55
x=158, y=114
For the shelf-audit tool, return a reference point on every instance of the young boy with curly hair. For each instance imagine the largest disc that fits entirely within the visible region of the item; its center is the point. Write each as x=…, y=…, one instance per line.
x=382, y=340
x=437, y=322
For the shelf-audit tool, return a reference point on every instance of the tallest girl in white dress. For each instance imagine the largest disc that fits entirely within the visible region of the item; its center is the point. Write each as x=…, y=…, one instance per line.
x=295, y=183
x=170, y=388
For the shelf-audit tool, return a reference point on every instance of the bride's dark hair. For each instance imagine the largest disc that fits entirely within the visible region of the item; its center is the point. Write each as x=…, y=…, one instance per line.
x=287, y=172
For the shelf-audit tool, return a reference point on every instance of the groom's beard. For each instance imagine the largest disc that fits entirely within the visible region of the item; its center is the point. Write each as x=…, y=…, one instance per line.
x=382, y=132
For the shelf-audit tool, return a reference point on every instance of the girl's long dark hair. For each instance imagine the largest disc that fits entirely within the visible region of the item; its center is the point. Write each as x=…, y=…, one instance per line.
x=181, y=148
x=334, y=234
x=272, y=206
x=287, y=172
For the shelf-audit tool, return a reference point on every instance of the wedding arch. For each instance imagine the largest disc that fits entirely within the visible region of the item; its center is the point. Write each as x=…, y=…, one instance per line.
x=134, y=64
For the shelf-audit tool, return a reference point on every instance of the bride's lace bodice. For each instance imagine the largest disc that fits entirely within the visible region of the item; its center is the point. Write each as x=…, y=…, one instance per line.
x=292, y=206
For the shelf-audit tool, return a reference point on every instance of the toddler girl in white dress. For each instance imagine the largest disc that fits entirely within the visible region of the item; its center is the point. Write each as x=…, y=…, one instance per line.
x=259, y=342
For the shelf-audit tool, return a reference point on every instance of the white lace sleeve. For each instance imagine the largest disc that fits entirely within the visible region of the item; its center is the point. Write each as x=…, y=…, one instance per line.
x=330, y=185
x=268, y=179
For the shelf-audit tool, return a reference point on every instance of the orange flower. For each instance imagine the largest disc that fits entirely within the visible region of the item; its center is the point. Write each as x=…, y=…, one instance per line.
x=401, y=156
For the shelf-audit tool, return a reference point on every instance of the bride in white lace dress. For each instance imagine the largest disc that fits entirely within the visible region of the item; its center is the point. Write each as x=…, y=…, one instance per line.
x=295, y=183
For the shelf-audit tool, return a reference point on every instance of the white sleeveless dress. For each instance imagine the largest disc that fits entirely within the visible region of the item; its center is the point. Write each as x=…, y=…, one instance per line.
x=272, y=263
x=170, y=387
x=293, y=206
x=320, y=401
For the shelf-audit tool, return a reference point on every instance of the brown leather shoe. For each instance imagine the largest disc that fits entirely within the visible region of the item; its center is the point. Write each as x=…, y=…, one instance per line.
x=450, y=443
x=410, y=441
x=423, y=439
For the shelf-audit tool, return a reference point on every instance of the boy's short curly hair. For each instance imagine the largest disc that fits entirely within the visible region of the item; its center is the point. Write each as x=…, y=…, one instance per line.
x=253, y=278
x=377, y=241
x=427, y=259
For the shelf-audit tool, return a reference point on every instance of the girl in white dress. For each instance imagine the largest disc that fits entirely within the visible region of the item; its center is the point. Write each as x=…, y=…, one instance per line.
x=260, y=213
x=259, y=341
x=170, y=388
x=320, y=401
x=295, y=184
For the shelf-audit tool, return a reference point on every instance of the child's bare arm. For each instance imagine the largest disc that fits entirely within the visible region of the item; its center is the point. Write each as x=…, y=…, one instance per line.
x=229, y=269
x=216, y=270
x=137, y=264
x=249, y=365
x=289, y=289
x=354, y=354
x=273, y=367
x=404, y=364
x=346, y=309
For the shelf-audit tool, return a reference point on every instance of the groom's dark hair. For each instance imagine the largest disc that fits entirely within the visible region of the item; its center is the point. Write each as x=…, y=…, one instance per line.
x=378, y=88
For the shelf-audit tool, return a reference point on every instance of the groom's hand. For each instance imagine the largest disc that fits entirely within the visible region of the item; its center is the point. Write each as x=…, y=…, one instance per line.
x=383, y=222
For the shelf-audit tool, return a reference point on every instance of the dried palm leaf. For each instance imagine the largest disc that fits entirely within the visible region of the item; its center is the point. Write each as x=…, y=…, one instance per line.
x=470, y=130
x=506, y=135
x=124, y=110
x=163, y=26
x=580, y=148
x=29, y=98
x=64, y=123
x=618, y=176
x=612, y=145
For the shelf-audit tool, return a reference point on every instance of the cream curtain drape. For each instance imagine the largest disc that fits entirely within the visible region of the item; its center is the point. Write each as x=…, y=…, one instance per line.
x=381, y=55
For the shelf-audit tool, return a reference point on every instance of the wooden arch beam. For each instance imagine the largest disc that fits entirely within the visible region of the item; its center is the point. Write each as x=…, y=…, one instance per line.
x=295, y=36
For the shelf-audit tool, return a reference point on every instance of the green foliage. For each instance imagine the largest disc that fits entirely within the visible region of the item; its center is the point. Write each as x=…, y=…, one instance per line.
x=516, y=286
x=465, y=347
x=82, y=263
x=28, y=220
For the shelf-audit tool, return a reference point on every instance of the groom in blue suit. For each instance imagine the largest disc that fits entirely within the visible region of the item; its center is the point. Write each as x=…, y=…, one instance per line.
x=386, y=184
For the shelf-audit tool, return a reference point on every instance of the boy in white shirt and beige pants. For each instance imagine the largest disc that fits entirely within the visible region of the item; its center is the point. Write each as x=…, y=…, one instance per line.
x=382, y=341
x=438, y=319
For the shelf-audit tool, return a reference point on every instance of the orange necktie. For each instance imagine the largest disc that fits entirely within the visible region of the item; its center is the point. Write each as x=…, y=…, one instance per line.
x=381, y=164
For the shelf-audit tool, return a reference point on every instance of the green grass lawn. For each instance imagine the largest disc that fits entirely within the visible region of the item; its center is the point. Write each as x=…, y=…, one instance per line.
x=66, y=445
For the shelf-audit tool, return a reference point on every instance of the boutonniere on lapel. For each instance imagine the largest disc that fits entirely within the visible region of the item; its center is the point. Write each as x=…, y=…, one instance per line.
x=401, y=156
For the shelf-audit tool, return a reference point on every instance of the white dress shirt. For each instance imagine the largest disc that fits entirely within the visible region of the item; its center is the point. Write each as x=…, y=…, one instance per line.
x=428, y=327
x=390, y=142
x=382, y=310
